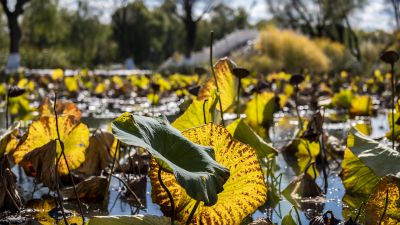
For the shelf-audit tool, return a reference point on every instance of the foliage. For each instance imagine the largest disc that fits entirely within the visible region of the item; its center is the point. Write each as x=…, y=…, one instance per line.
x=235, y=201
x=191, y=164
x=285, y=50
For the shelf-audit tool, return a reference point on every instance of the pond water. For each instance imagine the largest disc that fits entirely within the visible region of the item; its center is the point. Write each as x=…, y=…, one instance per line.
x=333, y=198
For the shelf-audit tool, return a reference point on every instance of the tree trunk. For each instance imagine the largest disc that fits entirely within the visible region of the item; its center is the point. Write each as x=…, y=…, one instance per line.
x=191, y=28
x=15, y=33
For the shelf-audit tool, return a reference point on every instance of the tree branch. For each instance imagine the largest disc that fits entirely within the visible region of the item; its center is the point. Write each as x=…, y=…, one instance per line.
x=208, y=9
x=6, y=9
x=19, y=7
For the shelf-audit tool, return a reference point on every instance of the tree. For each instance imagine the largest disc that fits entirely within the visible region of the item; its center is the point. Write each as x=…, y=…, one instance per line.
x=190, y=21
x=319, y=18
x=14, y=31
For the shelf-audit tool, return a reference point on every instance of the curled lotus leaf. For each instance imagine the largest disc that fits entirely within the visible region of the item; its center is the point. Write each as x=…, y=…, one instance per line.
x=40, y=163
x=63, y=108
x=226, y=84
x=73, y=134
x=243, y=193
x=99, y=154
x=189, y=162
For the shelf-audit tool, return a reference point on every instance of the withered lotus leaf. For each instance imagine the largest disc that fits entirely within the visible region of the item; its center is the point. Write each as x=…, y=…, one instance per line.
x=92, y=188
x=243, y=193
x=100, y=153
x=40, y=163
x=75, y=136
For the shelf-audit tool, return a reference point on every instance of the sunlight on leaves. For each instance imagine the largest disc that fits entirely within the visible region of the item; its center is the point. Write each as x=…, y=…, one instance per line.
x=241, y=131
x=259, y=111
x=194, y=115
x=74, y=134
x=243, y=193
x=226, y=83
x=63, y=108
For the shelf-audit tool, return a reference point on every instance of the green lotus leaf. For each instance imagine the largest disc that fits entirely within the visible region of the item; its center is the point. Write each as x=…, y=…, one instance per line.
x=381, y=159
x=136, y=219
x=243, y=132
x=193, y=165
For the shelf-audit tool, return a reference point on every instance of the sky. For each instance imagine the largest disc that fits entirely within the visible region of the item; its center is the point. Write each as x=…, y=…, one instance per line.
x=373, y=16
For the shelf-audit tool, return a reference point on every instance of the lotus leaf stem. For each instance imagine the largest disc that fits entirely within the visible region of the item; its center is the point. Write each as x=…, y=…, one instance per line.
x=297, y=215
x=386, y=205
x=192, y=212
x=238, y=99
x=129, y=189
x=7, y=104
x=169, y=195
x=393, y=102
x=323, y=155
x=66, y=163
x=215, y=77
x=204, y=111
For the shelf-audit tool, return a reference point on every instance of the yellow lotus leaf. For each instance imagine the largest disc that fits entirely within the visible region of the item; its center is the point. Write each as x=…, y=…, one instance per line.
x=226, y=83
x=28, y=85
x=376, y=203
x=71, y=83
x=99, y=155
x=243, y=193
x=361, y=106
x=153, y=98
x=20, y=108
x=75, y=136
x=260, y=111
x=63, y=108
x=117, y=80
x=100, y=88
x=57, y=74
x=194, y=115
x=139, y=81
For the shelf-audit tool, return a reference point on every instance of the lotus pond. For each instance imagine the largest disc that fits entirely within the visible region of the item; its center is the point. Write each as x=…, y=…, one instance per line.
x=288, y=149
